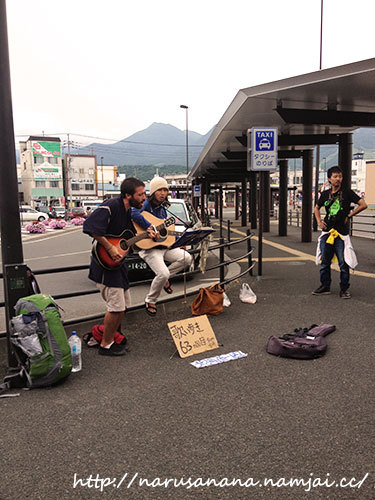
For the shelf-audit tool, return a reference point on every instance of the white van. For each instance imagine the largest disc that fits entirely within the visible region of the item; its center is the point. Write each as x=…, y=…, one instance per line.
x=91, y=204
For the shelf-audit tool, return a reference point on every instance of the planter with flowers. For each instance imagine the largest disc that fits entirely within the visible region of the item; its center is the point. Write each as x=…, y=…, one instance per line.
x=57, y=224
x=35, y=227
x=77, y=221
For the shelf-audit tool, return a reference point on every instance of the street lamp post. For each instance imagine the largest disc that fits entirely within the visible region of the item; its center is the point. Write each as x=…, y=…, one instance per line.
x=101, y=163
x=186, y=108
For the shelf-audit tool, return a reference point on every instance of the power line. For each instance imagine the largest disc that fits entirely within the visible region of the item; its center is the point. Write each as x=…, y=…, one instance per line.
x=126, y=141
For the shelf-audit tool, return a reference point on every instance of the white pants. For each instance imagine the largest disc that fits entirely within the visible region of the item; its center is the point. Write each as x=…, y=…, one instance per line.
x=155, y=259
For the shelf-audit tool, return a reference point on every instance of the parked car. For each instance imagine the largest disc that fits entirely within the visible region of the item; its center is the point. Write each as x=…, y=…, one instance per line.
x=77, y=212
x=28, y=214
x=46, y=210
x=185, y=216
x=58, y=211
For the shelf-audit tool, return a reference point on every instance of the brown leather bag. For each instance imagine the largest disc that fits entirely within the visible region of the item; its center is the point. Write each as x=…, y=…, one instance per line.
x=209, y=301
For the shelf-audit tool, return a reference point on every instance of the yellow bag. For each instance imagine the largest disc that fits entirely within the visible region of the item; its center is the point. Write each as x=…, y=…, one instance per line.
x=209, y=301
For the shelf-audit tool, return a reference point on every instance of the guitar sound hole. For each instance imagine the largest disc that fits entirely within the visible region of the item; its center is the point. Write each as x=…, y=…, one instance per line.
x=123, y=245
x=163, y=232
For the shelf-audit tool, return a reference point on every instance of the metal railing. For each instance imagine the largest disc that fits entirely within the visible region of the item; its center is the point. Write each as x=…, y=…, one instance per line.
x=354, y=222
x=221, y=265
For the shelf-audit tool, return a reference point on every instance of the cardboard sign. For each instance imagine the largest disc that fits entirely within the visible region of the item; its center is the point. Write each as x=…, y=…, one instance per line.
x=193, y=336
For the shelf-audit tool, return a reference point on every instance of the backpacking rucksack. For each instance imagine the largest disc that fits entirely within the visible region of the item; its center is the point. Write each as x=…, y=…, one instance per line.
x=303, y=343
x=39, y=342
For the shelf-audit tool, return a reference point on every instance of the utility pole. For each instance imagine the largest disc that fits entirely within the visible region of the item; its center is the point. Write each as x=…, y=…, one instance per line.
x=317, y=165
x=69, y=167
x=14, y=270
x=101, y=163
x=186, y=108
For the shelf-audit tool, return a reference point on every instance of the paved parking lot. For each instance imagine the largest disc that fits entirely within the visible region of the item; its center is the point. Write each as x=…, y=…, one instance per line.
x=153, y=415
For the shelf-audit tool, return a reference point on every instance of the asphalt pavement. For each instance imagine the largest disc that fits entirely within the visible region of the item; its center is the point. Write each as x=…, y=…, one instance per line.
x=139, y=426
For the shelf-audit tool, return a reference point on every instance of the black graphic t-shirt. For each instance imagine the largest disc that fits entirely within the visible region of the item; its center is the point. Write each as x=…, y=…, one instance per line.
x=337, y=207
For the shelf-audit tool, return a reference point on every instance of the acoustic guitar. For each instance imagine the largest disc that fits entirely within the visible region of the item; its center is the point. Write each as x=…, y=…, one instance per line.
x=124, y=242
x=167, y=233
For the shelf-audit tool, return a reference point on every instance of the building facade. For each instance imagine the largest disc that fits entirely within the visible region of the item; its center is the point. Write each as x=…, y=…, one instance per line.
x=41, y=171
x=81, y=178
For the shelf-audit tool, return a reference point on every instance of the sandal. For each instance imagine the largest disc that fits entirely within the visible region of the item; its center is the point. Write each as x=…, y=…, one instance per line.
x=168, y=288
x=151, y=310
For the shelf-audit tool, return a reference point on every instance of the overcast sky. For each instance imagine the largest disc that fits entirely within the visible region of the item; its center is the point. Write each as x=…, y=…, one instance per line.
x=111, y=68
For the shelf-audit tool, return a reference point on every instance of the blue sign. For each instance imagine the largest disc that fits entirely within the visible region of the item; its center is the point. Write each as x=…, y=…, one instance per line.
x=262, y=149
x=197, y=191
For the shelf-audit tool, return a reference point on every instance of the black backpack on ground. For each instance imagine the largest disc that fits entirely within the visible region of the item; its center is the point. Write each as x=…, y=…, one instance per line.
x=303, y=343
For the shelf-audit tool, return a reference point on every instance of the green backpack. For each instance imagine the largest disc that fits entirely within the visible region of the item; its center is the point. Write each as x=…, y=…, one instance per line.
x=39, y=341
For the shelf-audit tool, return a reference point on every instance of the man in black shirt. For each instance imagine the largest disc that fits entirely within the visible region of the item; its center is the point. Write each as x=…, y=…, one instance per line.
x=112, y=217
x=337, y=202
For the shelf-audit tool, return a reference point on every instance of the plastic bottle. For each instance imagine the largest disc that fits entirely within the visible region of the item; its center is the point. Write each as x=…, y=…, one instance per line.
x=76, y=349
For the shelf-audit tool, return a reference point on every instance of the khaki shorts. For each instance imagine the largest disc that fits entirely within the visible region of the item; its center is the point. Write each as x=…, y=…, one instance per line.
x=117, y=299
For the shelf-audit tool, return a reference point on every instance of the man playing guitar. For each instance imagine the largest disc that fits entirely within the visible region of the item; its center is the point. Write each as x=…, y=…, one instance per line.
x=155, y=257
x=113, y=216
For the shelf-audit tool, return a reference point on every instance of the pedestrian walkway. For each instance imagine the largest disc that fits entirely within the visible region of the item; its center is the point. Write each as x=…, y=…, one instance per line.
x=153, y=415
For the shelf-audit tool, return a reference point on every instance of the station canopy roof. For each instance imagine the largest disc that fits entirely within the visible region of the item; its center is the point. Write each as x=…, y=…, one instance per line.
x=308, y=109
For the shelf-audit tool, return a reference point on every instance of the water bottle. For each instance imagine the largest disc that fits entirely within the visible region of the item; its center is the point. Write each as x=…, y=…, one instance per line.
x=76, y=349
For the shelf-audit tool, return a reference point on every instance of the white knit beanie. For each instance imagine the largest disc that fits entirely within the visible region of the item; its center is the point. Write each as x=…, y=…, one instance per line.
x=158, y=183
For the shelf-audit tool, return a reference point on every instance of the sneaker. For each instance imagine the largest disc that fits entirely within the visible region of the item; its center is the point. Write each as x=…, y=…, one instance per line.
x=345, y=294
x=114, y=350
x=322, y=290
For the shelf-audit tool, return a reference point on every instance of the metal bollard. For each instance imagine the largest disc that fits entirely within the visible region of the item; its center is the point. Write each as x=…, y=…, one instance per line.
x=221, y=257
x=228, y=233
x=249, y=258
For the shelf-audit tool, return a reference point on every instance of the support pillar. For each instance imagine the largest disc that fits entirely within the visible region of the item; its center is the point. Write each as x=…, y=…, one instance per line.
x=283, y=197
x=266, y=195
x=307, y=171
x=253, y=199
x=203, y=208
x=216, y=203
x=243, y=201
x=221, y=202
x=236, y=203
x=345, y=159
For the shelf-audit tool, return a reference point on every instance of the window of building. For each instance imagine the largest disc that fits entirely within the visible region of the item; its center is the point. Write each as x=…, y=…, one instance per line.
x=89, y=187
x=38, y=159
x=91, y=171
x=54, y=184
x=81, y=170
x=75, y=187
x=53, y=160
x=40, y=184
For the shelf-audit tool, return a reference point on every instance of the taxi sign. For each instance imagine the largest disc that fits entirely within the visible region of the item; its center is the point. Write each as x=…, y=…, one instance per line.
x=262, y=149
x=197, y=191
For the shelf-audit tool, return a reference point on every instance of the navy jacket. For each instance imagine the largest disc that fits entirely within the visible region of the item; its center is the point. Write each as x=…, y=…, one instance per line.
x=110, y=218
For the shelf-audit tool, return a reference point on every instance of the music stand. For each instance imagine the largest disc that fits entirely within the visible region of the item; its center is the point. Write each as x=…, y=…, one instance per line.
x=192, y=237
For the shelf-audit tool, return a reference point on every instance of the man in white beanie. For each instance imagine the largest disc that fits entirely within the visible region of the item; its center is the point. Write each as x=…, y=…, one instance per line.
x=156, y=257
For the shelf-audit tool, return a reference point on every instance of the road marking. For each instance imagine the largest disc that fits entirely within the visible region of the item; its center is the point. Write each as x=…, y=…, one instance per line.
x=276, y=259
x=58, y=255
x=32, y=240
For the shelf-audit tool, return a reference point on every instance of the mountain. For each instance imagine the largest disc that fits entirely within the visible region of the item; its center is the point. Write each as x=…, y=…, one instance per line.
x=159, y=144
